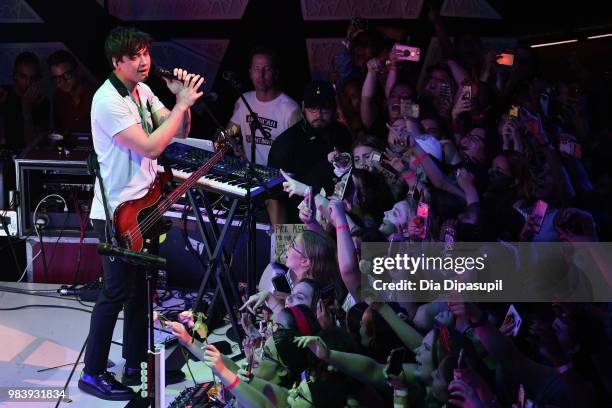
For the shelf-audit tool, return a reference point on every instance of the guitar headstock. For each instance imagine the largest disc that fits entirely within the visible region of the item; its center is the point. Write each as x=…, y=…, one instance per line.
x=224, y=140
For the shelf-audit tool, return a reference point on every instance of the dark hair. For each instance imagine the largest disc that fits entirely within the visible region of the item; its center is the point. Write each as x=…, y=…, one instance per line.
x=369, y=141
x=62, y=57
x=321, y=251
x=373, y=194
x=440, y=67
x=268, y=52
x=294, y=359
x=353, y=319
x=384, y=338
x=26, y=58
x=309, y=315
x=122, y=41
x=316, y=291
x=329, y=394
x=519, y=169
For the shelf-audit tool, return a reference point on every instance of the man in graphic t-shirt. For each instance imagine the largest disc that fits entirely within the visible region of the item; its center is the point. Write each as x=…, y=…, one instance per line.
x=277, y=111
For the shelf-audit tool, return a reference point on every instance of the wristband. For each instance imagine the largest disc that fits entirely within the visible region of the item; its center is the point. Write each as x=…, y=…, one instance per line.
x=419, y=159
x=409, y=176
x=342, y=227
x=562, y=369
x=233, y=384
x=400, y=392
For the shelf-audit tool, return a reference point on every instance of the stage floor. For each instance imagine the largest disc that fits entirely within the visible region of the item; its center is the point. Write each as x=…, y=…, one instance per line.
x=35, y=338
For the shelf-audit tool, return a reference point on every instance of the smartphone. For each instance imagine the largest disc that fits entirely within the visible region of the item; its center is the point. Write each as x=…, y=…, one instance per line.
x=396, y=359
x=375, y=156
x=513, y=112
x=409, y=109
x=449, y=239
x=467, y=92
x=407, y=53
x=569, y=147
x=537, y=215
x=513, y=317
x=506, y=59
x=281, y=284
x=423, y=214
x=461, y=359
x=445, y=90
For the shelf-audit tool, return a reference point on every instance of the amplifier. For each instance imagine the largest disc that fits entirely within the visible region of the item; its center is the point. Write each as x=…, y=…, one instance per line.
x=61, y=255
x=59, y=188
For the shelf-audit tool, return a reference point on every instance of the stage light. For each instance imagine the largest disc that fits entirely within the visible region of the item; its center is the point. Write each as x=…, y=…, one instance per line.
x=594, y=37
x=552, y=43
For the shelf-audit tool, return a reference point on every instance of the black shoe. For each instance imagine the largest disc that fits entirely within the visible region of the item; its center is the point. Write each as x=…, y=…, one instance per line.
x=105, y=386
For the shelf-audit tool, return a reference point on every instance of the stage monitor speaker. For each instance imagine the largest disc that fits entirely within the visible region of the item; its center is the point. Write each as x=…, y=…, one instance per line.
x=61, y=256
x=184, y=267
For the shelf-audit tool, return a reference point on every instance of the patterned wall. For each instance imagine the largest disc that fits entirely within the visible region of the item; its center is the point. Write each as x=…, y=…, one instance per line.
x=135, y=10
x=195, y=55
x=373, y=9
x=17, y=11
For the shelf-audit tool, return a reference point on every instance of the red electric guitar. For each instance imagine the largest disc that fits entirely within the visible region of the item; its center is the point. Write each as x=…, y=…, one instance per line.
x=138, y=222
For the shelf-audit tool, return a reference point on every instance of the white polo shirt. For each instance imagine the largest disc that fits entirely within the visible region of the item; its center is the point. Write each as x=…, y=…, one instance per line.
x=126, y=174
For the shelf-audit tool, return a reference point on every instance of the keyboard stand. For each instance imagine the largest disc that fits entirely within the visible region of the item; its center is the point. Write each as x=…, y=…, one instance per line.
x=217, y=260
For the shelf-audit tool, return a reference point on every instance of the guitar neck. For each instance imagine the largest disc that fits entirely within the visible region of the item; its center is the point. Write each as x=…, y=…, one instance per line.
x=195, y=176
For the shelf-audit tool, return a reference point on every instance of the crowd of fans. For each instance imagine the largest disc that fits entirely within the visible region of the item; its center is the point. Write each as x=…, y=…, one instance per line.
x=498, y=153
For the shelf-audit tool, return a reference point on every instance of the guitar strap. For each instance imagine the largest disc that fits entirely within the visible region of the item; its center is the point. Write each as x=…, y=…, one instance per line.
x=94, y=167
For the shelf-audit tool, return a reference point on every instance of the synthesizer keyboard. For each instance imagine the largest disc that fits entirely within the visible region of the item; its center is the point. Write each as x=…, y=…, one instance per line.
x=226, y=178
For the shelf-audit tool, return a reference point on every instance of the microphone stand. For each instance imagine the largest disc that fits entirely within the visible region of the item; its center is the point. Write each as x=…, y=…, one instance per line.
x=155, y=383
x=251, y=175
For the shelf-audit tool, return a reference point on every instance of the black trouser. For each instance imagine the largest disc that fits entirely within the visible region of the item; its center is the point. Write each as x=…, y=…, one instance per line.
x=124, y=287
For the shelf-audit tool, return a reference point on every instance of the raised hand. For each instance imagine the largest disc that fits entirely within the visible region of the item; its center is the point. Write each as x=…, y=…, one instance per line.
x=315, y=344
x=292, y=186
x=212, y=358
x=180, y=332
x=255, y=301
x=185, y=86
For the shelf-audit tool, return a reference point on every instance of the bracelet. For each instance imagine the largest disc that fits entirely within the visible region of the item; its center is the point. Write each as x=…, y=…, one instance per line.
x=409, y=176
x=419, y=159
x=233, y=384
x=342, y=227
x=562, y=369
x=401, y=392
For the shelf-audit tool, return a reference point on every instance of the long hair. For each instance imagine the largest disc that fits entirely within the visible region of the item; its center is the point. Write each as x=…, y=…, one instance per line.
x=519, y=168
x=321, y=251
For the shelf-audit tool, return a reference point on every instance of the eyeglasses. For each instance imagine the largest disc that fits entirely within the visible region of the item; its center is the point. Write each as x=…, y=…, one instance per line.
x=66, y=76
x=292, y=245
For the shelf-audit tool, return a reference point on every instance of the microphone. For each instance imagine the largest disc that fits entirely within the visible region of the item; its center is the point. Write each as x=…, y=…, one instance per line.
x=129, y=255
x=163, y=73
